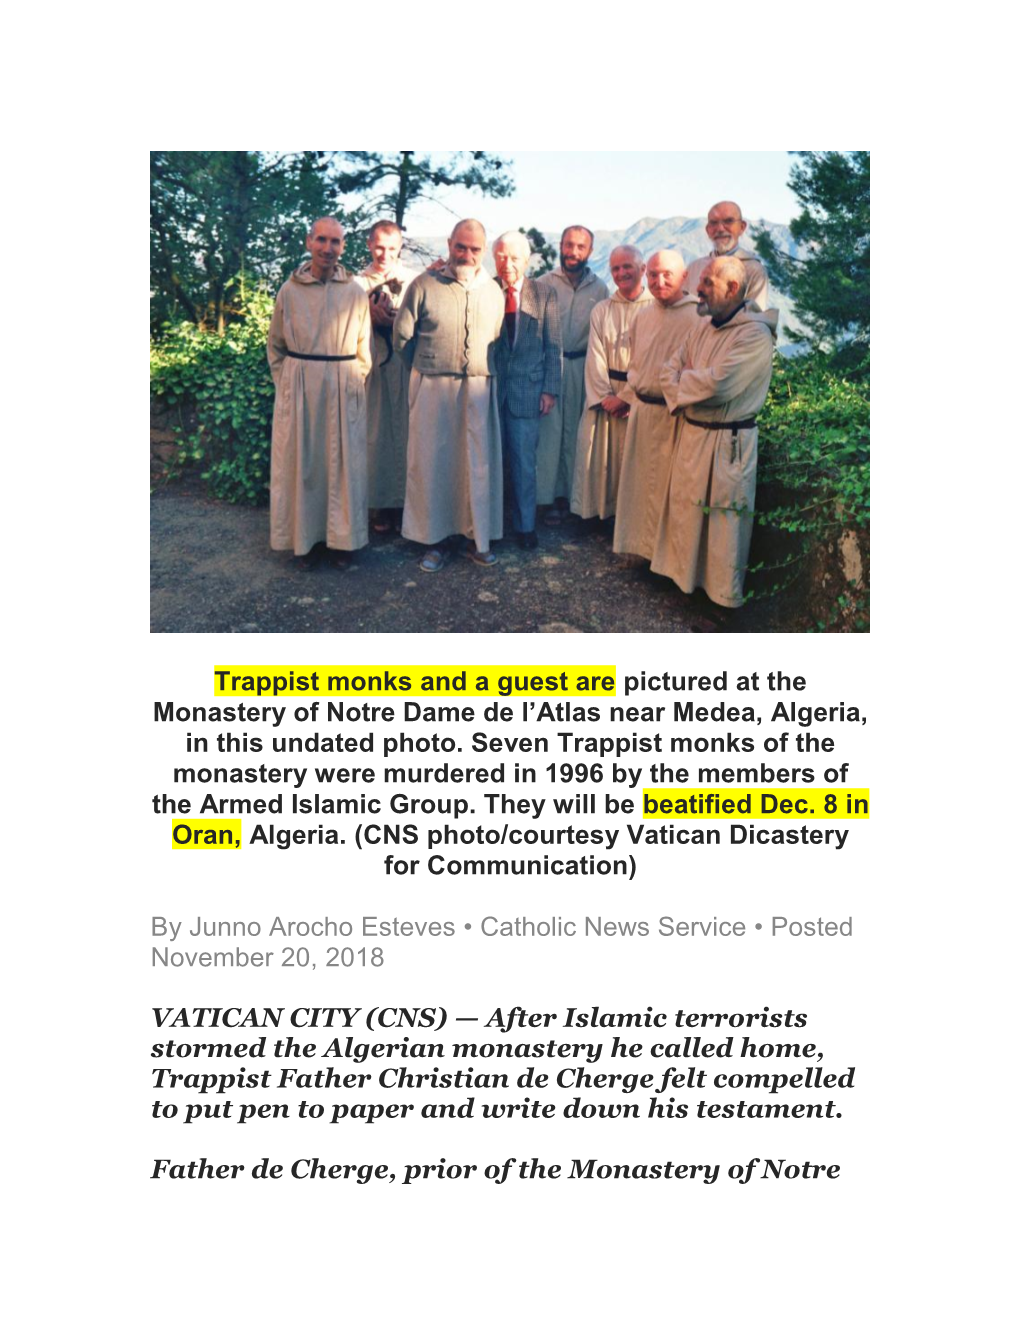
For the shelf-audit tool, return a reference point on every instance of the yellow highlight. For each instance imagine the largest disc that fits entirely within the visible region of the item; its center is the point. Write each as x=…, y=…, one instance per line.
x=756, y=804
x=413, y=681
x=190, y=832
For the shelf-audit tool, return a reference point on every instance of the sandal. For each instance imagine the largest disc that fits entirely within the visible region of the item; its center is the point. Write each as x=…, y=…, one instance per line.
x=309, y=562
x=432, y=561
x=484, y=560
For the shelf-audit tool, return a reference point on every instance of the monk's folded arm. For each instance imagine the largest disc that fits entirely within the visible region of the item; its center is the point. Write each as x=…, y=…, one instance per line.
x=670, y=380
x=724, y=381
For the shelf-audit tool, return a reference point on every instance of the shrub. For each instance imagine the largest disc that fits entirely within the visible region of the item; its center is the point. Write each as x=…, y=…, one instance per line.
x=219, y=390
x=814, y=470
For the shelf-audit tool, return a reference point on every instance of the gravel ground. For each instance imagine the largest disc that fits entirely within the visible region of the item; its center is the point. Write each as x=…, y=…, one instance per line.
x=212, y=571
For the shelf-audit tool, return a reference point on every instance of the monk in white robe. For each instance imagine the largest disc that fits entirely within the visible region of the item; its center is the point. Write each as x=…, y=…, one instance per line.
x=603, y=424
x=717, y=381
x=725, y=228
x=578, y=291
x=319, y=353
x=656, y=332
x=447, y=329
x=386, y=281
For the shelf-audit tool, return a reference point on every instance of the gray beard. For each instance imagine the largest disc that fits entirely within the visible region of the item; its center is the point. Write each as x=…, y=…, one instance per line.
x=704, y=309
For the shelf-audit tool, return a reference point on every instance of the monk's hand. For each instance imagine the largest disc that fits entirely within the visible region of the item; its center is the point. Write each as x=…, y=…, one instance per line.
x=438, y=264
x=383, y=314
x=614, y=407
x=546, y=404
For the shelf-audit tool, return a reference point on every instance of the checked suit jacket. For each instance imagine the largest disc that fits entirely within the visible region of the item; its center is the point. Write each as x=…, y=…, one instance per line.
x=533, y=366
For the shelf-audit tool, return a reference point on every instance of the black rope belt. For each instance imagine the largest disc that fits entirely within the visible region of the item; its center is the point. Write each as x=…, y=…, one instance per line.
x=651, y=398
x=617, y=375
x=581, y=352
x=747, y=424
x=320, y=357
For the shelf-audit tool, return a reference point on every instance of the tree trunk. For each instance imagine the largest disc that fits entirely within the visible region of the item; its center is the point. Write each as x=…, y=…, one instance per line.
x=242, y=190
x=403, y=186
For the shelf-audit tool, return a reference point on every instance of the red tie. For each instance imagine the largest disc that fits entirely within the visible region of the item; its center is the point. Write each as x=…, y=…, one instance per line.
x=511, y=315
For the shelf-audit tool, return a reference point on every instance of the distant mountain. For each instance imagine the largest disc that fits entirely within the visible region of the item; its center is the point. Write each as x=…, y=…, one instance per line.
x=683, y=234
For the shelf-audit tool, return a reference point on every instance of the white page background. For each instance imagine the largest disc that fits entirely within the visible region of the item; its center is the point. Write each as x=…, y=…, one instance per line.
x=916, y=1223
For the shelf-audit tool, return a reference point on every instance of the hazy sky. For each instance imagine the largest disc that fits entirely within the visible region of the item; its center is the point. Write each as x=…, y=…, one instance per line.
x=612, y=189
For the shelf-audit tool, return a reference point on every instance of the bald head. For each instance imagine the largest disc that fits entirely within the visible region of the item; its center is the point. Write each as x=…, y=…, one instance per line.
x=470, y=227
x=732, y=270
x=573, y=230
x=326, y=222
x=467, y=248
x=666, y=277
x=722, y=287
x=627, y=267
x=325, y=242
x=726, y=226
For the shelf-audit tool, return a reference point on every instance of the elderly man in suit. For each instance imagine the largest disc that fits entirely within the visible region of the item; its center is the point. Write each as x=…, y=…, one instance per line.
x=528, y=370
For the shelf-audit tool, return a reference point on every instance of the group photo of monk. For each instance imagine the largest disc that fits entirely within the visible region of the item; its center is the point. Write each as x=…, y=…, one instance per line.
x=661, y=426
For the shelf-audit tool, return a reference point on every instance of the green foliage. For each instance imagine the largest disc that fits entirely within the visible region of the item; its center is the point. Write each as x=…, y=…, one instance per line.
x=219, y=389
x=815, y=431
x=814, y=473
x=221, y=222
x=545, y=257
x=395, y=180
x=831, y=284
x=356, y=256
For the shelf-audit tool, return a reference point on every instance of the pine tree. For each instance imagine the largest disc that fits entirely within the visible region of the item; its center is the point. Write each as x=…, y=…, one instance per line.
x=220, y=222
x=831, y=282
x=397, y=179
